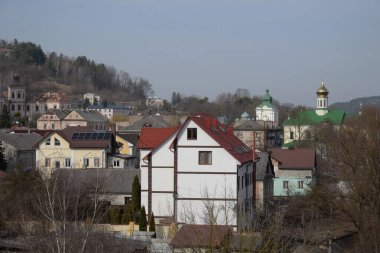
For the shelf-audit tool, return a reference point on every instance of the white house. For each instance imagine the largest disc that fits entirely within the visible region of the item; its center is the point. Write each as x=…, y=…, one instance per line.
x=190, y=173
x=93, y=99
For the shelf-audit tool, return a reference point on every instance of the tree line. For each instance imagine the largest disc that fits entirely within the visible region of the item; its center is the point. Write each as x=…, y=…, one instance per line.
x=80, y=73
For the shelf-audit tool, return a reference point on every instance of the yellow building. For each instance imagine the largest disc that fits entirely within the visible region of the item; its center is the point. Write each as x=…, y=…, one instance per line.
x=74, y=147
x=127, y=142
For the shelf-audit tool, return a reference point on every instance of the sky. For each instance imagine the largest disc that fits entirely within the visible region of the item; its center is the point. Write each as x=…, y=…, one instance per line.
x=206, y=47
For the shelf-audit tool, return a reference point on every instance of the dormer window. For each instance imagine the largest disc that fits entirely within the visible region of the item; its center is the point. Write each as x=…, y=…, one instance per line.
x=191, y=133
x=57, y=142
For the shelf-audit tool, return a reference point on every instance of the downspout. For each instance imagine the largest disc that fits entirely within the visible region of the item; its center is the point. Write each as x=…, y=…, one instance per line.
x=175, y=179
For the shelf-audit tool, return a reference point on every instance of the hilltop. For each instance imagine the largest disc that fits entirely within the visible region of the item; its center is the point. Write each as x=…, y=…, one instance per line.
x=353, y=106
x=43, y=72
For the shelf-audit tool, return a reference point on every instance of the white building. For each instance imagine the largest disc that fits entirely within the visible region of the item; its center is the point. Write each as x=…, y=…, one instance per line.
x=92, y=98
x=110, y=111
x=190, y=173
x=154, y=102
x=267, y=111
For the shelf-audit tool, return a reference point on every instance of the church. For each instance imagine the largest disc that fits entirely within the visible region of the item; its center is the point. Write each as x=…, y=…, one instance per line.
x=301, y=127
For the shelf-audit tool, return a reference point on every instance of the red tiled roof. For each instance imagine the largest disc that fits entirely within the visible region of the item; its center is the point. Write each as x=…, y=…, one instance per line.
x=151, y=138
x=190, y=236
x=301, y=158
x=223, y=136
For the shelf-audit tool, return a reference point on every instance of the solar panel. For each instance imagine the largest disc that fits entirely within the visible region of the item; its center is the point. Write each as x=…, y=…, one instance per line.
x=100, y=136
x=107, y=136
x=81, y=136
x=75, y=136
x=94, y=136
x=87, y=136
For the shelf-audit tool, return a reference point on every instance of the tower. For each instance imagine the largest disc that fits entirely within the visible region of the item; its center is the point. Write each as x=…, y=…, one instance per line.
x=267, y=111
x=322, y=100
x=16, y=96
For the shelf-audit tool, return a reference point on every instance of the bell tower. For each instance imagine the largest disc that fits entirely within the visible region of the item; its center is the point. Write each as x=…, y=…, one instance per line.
x=322, y=100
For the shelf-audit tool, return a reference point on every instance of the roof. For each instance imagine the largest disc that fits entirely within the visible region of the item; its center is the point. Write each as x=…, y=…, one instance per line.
x=61, y=114
x=266, y=100
x=132, y=138
x=154, y=121
x=301, y=158
x=190, y=236
x=84, y=137
x=310, y=117
x=101, y=106
x=151, y=138
x=249, y=125
x=52, y=97
x=112, y=181
x=21, y=141
x=222, y=135
x=262, y=165
x=92, y=116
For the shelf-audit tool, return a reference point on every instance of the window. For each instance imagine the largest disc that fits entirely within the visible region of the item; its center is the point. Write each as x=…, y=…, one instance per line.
x=67, y=162
x=18, y=95
x=13, y=107
x=96, y=162
x=19, y=108
x=57, y=164
x=291, y=135
x=45, y=126
x=116, y=163
x=52, y=126
x=300, y=184
x=205, y=158
x=56, y=141
x=47, y=162
x=36, y=108
x=13, y=95
x=47, y=143
x=27, y=108
x=191, y=133
x=285, y=184
x=85, y=162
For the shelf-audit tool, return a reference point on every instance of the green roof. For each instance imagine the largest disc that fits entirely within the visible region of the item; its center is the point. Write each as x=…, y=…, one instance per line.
x=267, y=100
x=335, y=117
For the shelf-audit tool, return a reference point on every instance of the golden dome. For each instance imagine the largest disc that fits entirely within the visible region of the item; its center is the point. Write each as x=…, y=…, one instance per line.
x=322, y=91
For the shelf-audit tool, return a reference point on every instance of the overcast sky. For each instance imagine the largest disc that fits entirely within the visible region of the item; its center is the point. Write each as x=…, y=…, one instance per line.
x=204, y=47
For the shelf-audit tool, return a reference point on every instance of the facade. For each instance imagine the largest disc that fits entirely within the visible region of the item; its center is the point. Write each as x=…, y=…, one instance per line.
x=93, y=99
x=303, y=126
x=154, y=102
x=74, y=148
x=93, y=120
x=266, y=134
x=267, y=111
x=186, y=169
x=128, y=143
x=51, y=119
x=110, y=111
x=294, y=170
x=18, y=149
x=19, y=102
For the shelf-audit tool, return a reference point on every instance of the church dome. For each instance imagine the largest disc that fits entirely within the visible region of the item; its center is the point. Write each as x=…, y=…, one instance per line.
x=245, y=116
x=267, y=97
x=322, y=90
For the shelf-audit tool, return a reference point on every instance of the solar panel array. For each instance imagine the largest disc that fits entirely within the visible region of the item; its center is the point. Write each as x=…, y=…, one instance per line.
x=91, y=136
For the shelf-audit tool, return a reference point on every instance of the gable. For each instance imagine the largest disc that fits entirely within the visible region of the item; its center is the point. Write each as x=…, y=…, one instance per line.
x=73, y=116
x=63, y=143
x=203, y=139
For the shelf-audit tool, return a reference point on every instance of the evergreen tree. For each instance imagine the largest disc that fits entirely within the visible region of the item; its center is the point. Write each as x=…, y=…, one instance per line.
x=136, y=194
x=128, y=214
x=152, y=224
x=5, y=118
x=143, y=223
x=3, y=162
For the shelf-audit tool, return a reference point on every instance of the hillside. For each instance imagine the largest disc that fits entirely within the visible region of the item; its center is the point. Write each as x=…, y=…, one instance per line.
x=353, y=106
x=43, y=72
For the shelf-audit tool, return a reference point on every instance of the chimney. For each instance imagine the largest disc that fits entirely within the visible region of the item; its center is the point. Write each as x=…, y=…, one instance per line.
x=208, y=122
x=230, y=130
x=254, y=146
x=214, y=122
x=113, y=129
